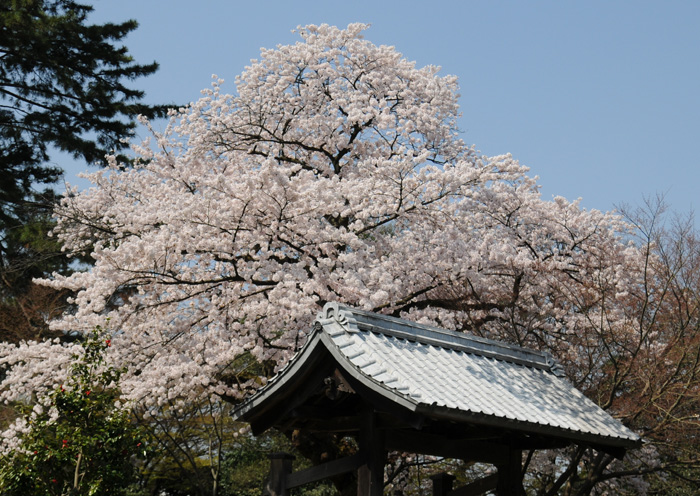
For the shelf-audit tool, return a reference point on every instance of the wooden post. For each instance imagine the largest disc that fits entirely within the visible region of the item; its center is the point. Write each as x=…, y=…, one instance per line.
x=510, y=475
x=442, y=483
x=370, y=475
x=280, y=468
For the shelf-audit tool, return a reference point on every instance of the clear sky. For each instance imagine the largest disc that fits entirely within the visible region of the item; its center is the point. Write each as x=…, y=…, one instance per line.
x=601, y=99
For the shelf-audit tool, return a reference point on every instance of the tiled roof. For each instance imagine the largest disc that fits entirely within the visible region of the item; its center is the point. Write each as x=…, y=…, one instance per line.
x=450, y=375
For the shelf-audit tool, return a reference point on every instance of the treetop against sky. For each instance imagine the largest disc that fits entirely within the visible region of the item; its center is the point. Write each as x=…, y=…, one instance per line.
x=598, y=99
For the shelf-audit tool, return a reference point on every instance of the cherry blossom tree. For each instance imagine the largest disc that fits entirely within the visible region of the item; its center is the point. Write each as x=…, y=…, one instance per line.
x=336, y=172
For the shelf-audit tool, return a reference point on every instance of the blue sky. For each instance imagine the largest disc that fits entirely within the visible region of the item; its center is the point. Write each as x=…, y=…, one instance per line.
x=600, y=99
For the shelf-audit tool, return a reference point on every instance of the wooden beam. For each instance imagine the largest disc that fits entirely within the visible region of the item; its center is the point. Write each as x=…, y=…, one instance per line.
x=442, y=483
x=432, y=444
x=510, y=475
x=280, y=468
x=324, y=471
x=370, y=474
x=318, y=423
x=477, y=487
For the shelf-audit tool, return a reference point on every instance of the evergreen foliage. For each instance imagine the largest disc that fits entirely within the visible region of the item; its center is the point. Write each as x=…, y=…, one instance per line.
x=62, y=87
x=81, y=441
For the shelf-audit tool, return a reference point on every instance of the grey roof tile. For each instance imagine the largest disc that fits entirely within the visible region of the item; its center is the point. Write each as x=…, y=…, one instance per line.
x=450, y=370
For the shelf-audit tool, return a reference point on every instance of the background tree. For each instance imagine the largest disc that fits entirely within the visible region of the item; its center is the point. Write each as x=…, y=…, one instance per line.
x=646, y=370
x=26, y=307
x=62, y=87
x=655, y=381
x=190, y=443
x=199, y=450
x=246, y=466
x=337, y=173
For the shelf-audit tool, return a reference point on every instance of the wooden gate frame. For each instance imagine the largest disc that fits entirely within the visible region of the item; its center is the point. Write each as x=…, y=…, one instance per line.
x=326, y=388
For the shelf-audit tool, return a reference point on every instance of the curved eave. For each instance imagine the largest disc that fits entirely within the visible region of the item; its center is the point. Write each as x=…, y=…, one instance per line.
x=532, y=428
x=277, y=389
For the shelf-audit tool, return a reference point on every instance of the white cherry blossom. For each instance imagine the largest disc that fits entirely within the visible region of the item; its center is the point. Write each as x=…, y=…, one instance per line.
x=335, y=172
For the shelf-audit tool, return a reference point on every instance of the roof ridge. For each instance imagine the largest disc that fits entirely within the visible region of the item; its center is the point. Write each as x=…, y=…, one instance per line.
x=336, y=318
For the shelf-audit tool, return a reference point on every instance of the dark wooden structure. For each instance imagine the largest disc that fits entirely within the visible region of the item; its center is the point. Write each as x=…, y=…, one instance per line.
x=396, y=385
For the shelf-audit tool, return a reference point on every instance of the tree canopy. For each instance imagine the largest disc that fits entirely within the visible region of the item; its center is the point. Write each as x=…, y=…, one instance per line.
x=336, y=172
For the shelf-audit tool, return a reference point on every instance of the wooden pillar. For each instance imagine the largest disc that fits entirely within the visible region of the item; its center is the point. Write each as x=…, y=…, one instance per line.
x=370, y=475
x=442, y=483
x=280, y=468
x=510, y=475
